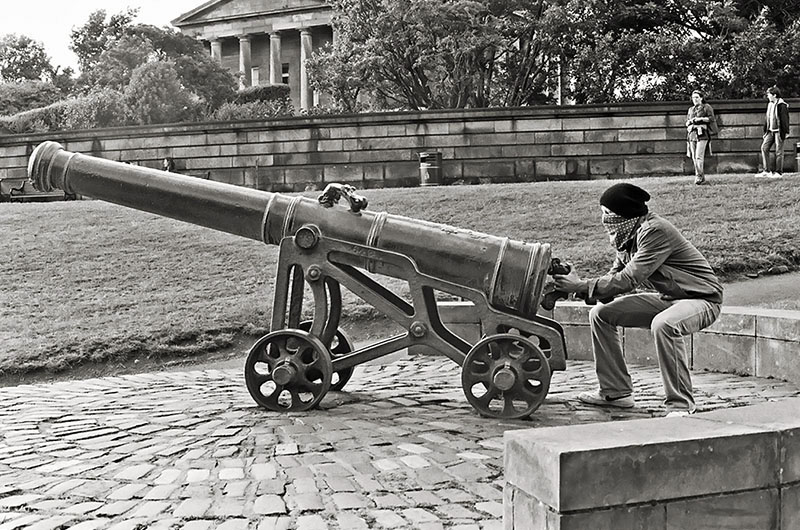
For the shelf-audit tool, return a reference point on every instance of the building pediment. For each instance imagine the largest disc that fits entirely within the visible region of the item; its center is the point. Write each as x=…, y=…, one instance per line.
x=221, y=10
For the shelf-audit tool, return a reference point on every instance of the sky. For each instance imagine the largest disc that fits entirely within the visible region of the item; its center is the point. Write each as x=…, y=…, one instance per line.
x=50, y=21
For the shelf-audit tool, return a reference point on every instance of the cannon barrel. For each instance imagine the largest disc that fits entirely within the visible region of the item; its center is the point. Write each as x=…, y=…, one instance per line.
x=510, y=273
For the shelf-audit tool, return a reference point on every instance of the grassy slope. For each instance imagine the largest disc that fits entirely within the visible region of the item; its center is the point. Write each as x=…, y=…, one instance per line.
x=93, y=281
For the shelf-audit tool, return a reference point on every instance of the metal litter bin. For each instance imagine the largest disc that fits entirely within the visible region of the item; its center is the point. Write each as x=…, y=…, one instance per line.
x=430, y=168
x=797, y=157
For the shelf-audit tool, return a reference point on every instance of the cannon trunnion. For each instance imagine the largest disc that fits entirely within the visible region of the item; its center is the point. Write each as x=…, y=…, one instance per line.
x=325, y=246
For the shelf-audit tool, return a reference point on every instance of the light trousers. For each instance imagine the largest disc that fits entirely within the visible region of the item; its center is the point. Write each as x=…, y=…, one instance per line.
x=670, y=321
x=770, y=139
x=698, y=152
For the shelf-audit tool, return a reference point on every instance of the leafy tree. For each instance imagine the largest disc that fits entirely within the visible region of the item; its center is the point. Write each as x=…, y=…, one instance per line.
x=196, y=70
x=19, y=96
x=23, y=58
x=155, y=94
x=90, y=40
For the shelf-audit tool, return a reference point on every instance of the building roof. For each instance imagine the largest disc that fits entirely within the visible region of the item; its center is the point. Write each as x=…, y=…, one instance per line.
x=217, y=10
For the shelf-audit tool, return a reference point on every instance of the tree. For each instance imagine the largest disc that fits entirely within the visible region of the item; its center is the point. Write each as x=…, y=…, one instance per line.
x=197, y=72
x=19, y=96
x=155, y=94
x=23, y=58
x=90, y=40
x=435, y=53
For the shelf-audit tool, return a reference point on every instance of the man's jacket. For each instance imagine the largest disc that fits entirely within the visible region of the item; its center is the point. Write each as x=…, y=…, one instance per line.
x=659, y=258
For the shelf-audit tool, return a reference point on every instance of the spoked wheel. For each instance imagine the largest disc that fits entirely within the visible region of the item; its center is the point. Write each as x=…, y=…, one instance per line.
x=505, y=376
x=340, y=345
x=288, y=370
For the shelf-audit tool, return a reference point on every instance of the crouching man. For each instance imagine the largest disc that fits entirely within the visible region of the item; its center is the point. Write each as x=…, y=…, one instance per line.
x=652, y=254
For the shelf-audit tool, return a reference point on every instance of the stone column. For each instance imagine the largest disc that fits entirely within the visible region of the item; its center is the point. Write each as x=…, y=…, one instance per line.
x=216, y=50
x=305, y=53
x=275, y=65
x=245, y=60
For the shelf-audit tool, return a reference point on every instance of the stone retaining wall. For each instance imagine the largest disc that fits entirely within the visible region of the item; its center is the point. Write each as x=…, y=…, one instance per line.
x=737, y=469
x=382, y=149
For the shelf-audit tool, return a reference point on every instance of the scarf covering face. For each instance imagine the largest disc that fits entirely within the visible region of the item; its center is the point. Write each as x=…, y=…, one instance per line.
x=620, y=230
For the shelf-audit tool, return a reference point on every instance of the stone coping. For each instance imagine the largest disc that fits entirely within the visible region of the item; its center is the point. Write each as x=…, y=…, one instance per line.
x=733, y=468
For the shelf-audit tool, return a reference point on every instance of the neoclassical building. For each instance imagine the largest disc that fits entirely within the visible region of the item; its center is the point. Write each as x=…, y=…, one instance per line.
x=265, y=41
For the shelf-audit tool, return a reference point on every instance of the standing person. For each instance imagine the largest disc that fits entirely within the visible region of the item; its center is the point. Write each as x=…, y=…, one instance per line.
x=701, y=123
x=652, y=253
x=776, y=129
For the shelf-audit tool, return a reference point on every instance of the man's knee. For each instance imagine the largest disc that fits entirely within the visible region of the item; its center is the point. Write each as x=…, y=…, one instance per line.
x=663, y=326
x=599, y=314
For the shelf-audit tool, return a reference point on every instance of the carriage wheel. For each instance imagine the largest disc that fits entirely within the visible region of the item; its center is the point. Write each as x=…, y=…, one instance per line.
x=505, y=376
x=288, y=370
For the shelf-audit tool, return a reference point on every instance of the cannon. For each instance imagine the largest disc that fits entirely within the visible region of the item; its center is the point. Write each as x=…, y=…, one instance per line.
x=327, y=244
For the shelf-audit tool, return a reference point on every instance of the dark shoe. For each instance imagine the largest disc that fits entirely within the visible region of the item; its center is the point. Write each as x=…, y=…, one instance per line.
x=594, y=398
x=699, y=180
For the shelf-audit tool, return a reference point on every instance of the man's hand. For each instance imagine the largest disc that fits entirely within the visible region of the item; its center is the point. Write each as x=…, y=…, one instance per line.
x=570, y=283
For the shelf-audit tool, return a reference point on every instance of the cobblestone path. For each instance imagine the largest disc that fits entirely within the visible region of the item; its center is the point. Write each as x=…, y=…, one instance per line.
x=400, y=449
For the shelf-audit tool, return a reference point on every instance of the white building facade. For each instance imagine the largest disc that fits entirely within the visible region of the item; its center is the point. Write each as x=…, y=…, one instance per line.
x=264, y=41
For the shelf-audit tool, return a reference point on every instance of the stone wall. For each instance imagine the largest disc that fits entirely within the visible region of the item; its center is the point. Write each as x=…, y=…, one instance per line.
x=382, y=150
x=737, y=469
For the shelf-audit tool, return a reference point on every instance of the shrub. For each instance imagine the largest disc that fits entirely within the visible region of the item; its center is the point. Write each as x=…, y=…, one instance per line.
x=256, y=110
x=49, y=118
x=26, y=95
x=269, y=93
x=102, y=108
x=155, y=95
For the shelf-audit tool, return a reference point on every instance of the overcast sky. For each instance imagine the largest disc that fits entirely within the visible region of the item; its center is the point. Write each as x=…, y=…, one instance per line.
x=50, y=21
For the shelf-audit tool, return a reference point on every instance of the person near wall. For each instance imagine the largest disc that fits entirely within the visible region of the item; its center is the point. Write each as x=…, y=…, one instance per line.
x=776, y=129
x=701, y=124
x=684, y=296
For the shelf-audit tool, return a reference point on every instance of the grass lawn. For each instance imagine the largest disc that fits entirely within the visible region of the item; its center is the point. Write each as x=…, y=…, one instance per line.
x=89, y=281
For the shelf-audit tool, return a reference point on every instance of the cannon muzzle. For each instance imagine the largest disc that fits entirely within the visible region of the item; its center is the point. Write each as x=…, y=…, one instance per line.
x=510, y=273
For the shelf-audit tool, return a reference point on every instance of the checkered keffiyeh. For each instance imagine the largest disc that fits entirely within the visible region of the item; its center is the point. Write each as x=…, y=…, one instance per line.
x=620, y=230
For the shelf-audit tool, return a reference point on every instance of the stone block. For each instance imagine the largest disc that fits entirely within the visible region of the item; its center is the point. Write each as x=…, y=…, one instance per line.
x=527, y=513
x=653, y=165
x=576, y=149
x=458, y=312
x=602, y=465
x=559, y=137
x=778, y=324
x=600, y=136
x=426, y=128
x=550, y=168
x=724, y=353
x=576, y=168
x=301, y=175
x=330, y=145
x=492, y=139
x=639, y=347
x=644, y=517
x=734, y=321
x=538, y=124
x=524, y=150
x=639, y=135
x=780, y=416
x=208, y=163
x=491, y=152
x=790, y=507
x=488, y=169
x=777, y=358
x=402, y=170
x=579, y=343
x=343, y=173
x=572, y=313
x=452, y=169
x=612, y=166
x=228, y=176
x=738, y=511
x=525, y=170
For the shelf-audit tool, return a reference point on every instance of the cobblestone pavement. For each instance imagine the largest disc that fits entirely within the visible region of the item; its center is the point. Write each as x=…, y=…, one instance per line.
x=400, y=449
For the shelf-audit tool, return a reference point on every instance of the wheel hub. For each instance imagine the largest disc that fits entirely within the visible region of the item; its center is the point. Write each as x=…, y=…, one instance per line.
x=284, y=374
x=504, y=378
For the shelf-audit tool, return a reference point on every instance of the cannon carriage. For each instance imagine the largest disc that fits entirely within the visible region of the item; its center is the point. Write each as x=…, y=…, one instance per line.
x=329, y=244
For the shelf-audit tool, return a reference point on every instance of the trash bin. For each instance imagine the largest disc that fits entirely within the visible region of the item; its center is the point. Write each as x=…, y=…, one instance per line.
x=797, y=157
x=430, y=168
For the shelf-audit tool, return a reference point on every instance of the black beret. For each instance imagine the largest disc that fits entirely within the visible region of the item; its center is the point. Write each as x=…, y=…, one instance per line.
x=625, y=200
